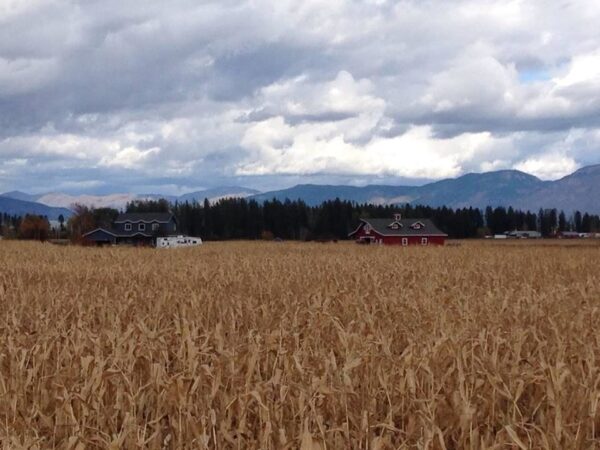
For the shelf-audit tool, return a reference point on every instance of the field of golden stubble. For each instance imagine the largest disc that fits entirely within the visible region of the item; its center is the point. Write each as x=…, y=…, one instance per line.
x=294, y=345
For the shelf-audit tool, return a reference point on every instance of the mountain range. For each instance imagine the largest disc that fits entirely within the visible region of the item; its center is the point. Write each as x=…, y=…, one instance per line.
x=17, y=207
x=578, y=191
x=60, y=203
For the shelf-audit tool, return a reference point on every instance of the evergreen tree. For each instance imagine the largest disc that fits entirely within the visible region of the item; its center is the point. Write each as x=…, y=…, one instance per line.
x=586, y=223
x=577, y=221
x=562, y=221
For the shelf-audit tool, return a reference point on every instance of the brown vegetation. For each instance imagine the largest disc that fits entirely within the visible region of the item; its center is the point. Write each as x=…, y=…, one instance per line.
x=34, y=227
x=310, y=346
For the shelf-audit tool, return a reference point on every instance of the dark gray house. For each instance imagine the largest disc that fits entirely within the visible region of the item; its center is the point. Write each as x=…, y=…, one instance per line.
x=135, y=229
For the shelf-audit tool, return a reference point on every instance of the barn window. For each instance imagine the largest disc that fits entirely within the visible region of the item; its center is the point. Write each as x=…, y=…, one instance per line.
x=424, y=241
x=127, y=227
x=404, y=241
x=142, y=227
x=367, y=229
x=155, y=226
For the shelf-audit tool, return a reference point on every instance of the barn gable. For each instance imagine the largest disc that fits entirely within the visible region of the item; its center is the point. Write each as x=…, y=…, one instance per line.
x=418, y=225
x=101, y=235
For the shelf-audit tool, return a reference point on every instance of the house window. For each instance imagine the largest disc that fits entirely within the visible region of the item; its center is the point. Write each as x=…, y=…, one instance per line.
x=142, y=227
x=404, y=241
x=155, y=226
x=127, y=227
x=424, y=241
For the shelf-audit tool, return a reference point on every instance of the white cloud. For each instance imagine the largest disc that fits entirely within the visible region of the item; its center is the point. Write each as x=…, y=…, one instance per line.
x=474, y=82
x=342, y=105
x=583, y=69
x=129, y=157
x=52, y=145
x=172, y=94
x=12, y=8
x=308, y=149
x=548, y=166
x=22, y=75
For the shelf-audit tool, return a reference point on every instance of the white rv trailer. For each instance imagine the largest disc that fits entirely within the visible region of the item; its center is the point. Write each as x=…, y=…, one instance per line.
x=177, y=241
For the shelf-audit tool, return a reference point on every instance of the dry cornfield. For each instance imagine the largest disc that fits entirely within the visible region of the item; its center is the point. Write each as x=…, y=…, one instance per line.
x=300, y=346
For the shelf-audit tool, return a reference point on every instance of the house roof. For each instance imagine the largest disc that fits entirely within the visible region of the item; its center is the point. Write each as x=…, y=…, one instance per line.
x=405, y=227
x=144, y=217
x=118, y=233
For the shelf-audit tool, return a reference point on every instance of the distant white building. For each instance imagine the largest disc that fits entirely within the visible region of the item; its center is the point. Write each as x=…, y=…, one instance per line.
x=177, y=241
x=577, y=235
x=570, y=235
x=54, y=224
x=524, y=234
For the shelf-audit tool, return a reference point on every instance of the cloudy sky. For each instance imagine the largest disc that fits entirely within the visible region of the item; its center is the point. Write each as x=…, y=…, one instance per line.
x=111, y=96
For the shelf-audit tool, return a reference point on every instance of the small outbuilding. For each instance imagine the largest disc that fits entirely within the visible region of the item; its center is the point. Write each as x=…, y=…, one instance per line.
x=398, y=231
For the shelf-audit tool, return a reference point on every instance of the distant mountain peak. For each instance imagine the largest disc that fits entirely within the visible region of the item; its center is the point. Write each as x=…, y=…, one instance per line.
x=17, y=207
x=19, y=195
x=587, y=170
x=11, y=193
x=506, y=174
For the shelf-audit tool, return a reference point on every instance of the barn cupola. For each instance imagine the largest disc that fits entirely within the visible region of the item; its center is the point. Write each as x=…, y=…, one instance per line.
x=397, y=223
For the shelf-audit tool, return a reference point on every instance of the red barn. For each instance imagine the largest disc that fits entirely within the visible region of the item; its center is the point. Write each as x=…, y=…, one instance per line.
x=398, y=231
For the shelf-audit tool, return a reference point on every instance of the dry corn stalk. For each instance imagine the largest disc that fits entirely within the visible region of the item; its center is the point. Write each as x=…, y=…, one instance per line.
x=300, y=346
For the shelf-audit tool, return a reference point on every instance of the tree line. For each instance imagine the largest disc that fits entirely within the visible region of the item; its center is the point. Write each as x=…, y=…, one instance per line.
x=239, y=218
x=26, y=227
x=335, y=219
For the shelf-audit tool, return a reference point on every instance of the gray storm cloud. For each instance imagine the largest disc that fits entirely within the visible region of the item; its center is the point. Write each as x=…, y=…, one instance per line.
x=105, y=95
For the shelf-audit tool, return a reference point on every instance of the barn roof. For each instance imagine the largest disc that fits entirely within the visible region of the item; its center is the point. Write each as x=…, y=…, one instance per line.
x=404, y=227
x=144, y=217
